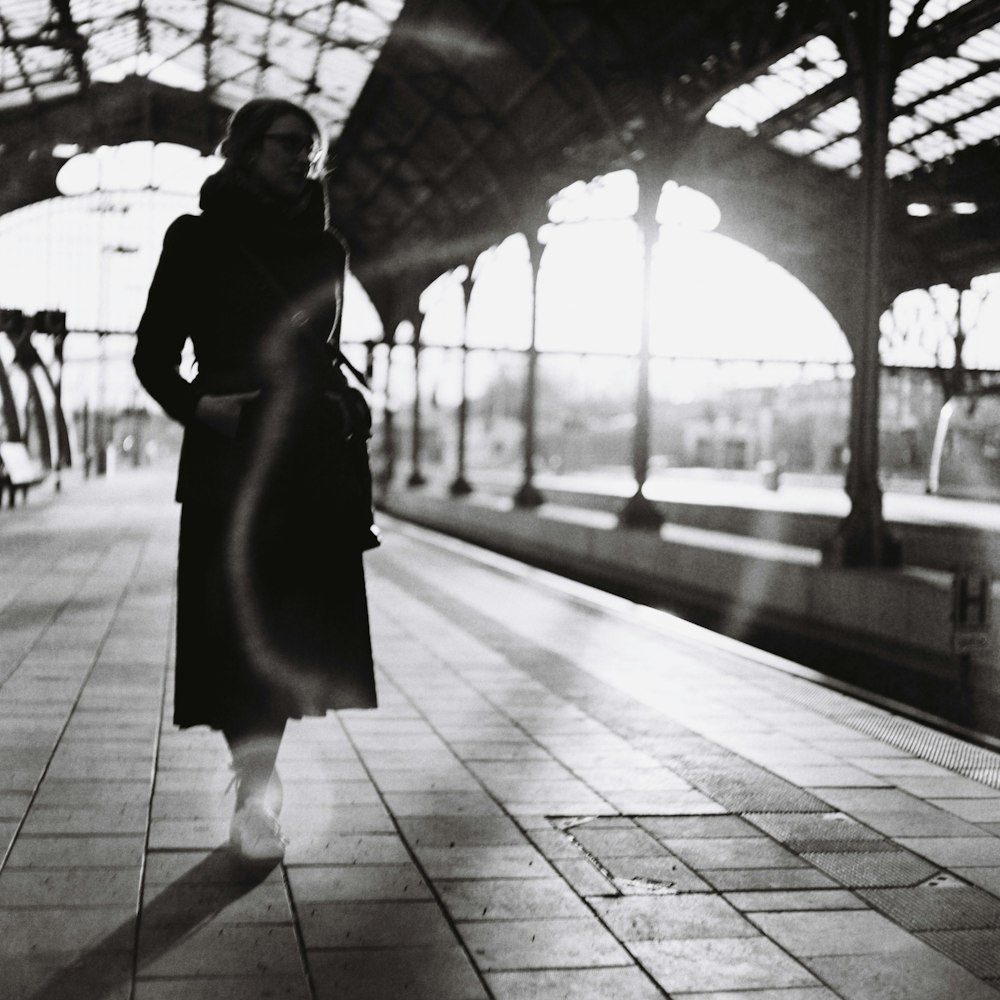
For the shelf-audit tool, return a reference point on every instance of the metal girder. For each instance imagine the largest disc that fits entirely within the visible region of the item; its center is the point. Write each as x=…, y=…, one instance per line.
x=941, y=36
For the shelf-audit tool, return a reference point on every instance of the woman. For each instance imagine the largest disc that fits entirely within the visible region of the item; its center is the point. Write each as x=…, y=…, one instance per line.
x=272, y=618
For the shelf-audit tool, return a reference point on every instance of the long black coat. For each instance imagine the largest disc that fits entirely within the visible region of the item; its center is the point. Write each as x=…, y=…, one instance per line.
x=272, y=612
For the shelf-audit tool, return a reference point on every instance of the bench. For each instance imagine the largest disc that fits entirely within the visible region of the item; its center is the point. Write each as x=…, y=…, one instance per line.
x=18, y=470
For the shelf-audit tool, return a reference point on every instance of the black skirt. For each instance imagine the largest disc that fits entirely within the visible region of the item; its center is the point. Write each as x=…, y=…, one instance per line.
x=309, y=594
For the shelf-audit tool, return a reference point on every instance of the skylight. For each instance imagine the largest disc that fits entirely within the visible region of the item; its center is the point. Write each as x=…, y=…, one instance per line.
x=944, y=104
x=803, y=72
x=318, y=53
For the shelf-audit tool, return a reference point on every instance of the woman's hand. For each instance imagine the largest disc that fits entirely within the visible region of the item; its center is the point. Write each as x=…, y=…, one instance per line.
x=222, y=413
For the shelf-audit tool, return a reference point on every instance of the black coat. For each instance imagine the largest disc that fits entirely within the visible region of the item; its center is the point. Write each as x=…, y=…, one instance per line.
x=272, y=613
x=229, y=280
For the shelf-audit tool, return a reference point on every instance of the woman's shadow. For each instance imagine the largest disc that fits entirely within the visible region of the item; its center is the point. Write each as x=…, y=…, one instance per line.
x=179, y=909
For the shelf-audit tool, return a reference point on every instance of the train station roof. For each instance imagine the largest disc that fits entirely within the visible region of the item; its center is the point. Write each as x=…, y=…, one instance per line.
x=456, y=120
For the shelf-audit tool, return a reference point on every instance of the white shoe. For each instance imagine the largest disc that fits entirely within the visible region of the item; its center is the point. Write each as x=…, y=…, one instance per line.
x=255, y=833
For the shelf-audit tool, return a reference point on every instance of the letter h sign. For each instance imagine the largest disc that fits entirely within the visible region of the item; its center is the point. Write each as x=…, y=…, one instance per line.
x=972, y=598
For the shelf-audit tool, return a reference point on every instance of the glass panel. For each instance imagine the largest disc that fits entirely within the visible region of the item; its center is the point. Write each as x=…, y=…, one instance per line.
x=585, y=414
x=732, y=416
x=494, y=432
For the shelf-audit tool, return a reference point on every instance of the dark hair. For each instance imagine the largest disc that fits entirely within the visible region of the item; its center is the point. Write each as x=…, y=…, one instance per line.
x=249, y=124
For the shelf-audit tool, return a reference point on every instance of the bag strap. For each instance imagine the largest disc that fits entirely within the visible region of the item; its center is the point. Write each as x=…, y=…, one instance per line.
x=342, y=359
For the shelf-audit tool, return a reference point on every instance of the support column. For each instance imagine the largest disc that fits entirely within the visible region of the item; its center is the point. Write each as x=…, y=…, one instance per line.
x=11, y=321
x=863, y=538
x=639, y=512
x=460, y=485
x=529, y=496
x=388, y=470
x=417, y=477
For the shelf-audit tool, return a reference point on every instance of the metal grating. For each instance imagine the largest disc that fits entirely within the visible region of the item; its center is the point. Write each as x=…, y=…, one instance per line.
x=817, y=846
x=977, y=950
x=951, y=905
x=873, y=869
x=967, y=759
x=829, y=827
x=741, y=787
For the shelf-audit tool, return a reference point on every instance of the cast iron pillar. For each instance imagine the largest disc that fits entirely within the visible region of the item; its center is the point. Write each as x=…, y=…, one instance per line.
x=388, y=423
x=417, y=477
x=529, y=496
x=639, y=511
x=863, y=538
x=460, y=485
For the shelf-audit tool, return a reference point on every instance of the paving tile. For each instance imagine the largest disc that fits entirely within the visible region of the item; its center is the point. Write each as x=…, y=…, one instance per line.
x=898, y=766
x=380, y=974
x=925, y=821
x=541, y=944
x=793, y=900
x=697, y=827
x=545, y=769
x=297, y=820
x=736, y=852
x=498, y=750
x=980, y=810
x=510, y=899
x=610, y=843
x=441, y=804
x=766, y=879
x=672, y=917
x=346, y=883
x=13, y=805
x=658, y=873
x=219, y=950
x=794, y=993
x=553, y=844
x=65, y=930
x=233, y=988
x=632, y=779
x=204, y=868
x=390, y=924
x=950, y=852
x=76, y=852
x=186, y=834
x=585, y=878
x=344, y=849
x=985, y=878
x=721, y=964
x=872, y=800
x=118, y=819
x=67, y=768
x=573, y=984
x=920, y=973
x=833, y=932
x=953, y=786
x=92, y=793
x=84, y=887
x=107, y=975
x=469, y=831
x=483, y=862
x=187, y=904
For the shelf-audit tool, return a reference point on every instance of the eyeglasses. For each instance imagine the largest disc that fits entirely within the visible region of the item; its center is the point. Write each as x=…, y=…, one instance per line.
x=294, y=144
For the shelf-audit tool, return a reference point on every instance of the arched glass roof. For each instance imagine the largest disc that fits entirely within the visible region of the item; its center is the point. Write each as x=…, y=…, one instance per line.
x=316, y=51
x=946, y=100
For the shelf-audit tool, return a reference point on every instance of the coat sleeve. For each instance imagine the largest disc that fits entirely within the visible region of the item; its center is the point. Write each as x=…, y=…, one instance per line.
x=175, y=297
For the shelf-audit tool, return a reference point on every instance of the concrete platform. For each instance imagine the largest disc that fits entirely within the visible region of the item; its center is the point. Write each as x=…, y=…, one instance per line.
x=562, y=796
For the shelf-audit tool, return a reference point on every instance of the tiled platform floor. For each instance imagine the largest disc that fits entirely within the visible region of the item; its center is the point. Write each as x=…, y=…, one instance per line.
x=559, y=798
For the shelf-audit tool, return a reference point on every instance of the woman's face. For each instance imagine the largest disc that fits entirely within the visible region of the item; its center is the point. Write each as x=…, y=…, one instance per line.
x=285, y=156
